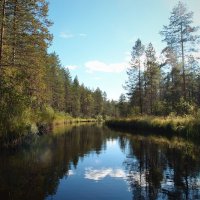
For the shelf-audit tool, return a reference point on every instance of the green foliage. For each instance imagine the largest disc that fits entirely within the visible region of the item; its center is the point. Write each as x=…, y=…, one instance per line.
x=123, y=106
x=159, y=108
x=46, y=115
x=184, y=107
x=99, y=118
x=35, y=89
x=173, y=84
x=134, y=85
x=134, y=111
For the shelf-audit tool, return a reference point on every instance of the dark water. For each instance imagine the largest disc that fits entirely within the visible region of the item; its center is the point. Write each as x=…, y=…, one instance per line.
x=93, y=162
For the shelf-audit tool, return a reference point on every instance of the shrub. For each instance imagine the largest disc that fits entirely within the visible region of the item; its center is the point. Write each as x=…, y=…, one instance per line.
x=99, y=118
x=46, y=115
x=184, y=107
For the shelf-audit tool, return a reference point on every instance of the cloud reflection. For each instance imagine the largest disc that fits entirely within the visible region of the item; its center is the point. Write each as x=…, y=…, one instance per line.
x=70, y=173
x=99, y=174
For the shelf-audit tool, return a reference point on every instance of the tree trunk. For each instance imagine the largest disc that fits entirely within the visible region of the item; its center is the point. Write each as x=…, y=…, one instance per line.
x=183, y=63
x=14, y=34
x=2, y=30
x=140, y=90
x=151, y=90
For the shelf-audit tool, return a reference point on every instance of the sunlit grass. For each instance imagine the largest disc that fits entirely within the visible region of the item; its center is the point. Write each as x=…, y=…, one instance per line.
x=35, y=122
x=62, y=118
x=183, y=126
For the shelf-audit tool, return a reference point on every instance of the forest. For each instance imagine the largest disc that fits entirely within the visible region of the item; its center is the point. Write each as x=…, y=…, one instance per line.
x=62, y=138
x=163, y=90
x=36, y=89
x=169, y=82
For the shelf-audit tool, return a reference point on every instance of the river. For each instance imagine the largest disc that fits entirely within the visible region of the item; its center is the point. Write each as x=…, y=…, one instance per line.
x=92, y=162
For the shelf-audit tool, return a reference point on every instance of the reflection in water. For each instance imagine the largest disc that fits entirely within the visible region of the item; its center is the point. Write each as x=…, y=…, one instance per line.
x=99, y=174
x=167, y=169
x=93, y=162
x=70, y=173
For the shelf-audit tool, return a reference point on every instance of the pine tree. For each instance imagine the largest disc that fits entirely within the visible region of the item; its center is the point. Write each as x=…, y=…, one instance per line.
x=68, y=89
x=87, y=102
x=179, y=36
x=152, y=78
x=23, y=51
x=98, y=102
x=76, y=104
x=134, y=85
x=2, y=28
x=122, y=106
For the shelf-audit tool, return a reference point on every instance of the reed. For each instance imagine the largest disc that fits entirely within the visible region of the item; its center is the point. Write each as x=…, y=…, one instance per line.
x=187, y=126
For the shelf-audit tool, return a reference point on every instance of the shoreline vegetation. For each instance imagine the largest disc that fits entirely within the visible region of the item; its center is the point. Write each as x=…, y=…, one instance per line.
x=35, y=88
x=186, y=127
x=26, y=129
x=37, y=91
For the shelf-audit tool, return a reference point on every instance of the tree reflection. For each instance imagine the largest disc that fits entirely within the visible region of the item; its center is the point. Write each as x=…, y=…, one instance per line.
x=159, y=168
x=34, y=173
x=155, y=167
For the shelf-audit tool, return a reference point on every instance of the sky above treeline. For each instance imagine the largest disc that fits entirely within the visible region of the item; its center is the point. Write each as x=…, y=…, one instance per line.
x=94, y=38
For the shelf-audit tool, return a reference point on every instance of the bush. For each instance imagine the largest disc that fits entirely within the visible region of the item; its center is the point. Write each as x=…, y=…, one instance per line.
x=133, y=111
x=46, y=115
x=99, y=118
x=184, y=107
x=161, y=108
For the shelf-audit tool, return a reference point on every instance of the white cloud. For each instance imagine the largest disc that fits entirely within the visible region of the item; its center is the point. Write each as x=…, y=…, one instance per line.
x=69, y=35
x=99, y=174
x=111, y=143
x=72, y=67
x=131, y=177
x=66, y=35
x=118, y=173
x=98, y=66
x=70, y=173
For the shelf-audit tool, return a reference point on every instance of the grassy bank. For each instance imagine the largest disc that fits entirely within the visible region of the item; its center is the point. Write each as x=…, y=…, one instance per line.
x=187, y=126
x=61, y=118
x=32, y=123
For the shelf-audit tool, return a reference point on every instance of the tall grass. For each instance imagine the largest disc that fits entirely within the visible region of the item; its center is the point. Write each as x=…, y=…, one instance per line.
x=187, y=126
x=34, y=122
x=63, y=118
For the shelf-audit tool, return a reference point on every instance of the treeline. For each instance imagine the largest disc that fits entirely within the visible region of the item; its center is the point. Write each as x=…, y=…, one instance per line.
x=170, y=84
x=33, y=84
x=69, y=96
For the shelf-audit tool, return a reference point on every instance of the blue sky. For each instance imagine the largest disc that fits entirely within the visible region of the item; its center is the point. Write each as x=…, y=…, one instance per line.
x=93, y=38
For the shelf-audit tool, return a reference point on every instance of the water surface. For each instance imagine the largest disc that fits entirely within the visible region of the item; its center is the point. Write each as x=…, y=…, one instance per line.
x=94, y=162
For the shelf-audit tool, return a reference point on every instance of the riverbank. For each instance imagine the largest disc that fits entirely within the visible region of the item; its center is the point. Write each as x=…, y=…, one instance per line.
x=187, y=126
x=27, y=129
x=57, y=122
